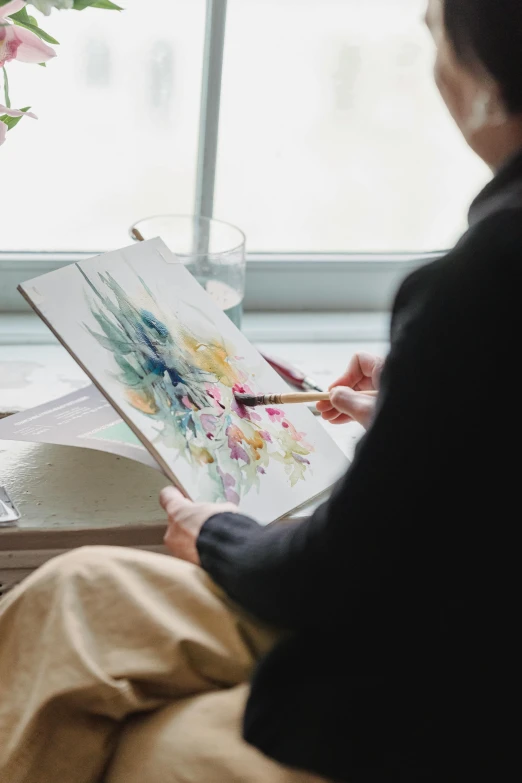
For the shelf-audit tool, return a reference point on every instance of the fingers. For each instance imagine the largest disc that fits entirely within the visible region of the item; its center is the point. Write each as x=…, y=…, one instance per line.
x=172, y=500
x=323, y=406
x=337, y=418
x=363, y=372
x=350, y=403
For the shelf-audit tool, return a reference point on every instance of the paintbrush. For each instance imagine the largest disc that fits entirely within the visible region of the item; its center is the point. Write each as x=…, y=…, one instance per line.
x=292, y=374
x=251, y=400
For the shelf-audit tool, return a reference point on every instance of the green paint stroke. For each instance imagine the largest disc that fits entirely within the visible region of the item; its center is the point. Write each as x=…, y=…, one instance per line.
x=117, y=433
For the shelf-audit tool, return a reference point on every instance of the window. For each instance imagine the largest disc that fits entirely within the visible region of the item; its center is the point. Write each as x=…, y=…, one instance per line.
x=335, y=153
x=333, y=136
x=117, y=134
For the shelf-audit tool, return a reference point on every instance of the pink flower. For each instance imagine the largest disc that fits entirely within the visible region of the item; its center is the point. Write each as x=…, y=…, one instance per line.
x=209, y=423
x=229, y=483
x=235, y=438
x=17, y=43
x=213, y=392
x=239, y=409
x=11, y=113
x=16, y=112
x=11, y=8
x=242, y=388
x=275, y=415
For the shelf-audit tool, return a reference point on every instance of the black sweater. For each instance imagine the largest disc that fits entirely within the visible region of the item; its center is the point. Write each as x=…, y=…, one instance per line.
x=401, y=592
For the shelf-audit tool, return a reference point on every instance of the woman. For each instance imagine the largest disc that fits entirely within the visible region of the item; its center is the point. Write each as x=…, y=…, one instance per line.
x=397, y=596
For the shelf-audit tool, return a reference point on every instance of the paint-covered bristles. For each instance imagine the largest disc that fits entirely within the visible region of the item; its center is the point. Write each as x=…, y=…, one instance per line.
x=249, y=400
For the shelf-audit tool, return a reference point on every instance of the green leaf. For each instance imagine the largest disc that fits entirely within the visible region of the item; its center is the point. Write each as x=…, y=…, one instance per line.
x=80, y=5
x=6, y=89
x=12, y=121
x=107, y=5
x=23, y=19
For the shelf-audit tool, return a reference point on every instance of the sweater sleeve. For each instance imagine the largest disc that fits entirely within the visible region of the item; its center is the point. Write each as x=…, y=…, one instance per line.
x=299, y=574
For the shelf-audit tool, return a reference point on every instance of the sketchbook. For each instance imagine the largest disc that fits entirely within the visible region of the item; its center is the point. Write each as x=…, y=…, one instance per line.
x=165, y=363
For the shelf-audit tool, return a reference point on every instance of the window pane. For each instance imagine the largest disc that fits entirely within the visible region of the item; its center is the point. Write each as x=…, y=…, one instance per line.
x=333, y=136
x=116, y=138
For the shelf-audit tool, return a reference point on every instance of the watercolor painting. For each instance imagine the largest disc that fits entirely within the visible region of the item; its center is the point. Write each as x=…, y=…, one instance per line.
x=170, y=361
x=185, y=383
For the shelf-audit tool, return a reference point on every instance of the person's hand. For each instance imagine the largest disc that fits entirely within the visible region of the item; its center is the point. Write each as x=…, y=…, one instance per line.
x=345, y=403
x=185, y=522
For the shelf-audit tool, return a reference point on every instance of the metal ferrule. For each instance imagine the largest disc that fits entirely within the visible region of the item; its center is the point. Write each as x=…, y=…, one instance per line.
x=271, y=399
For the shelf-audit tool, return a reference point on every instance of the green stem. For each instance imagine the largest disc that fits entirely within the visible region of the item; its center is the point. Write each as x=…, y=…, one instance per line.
x=6, y=89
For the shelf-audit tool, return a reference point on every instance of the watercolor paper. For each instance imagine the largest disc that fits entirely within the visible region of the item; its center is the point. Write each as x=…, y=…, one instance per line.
x=82, y=418
x=169, y=361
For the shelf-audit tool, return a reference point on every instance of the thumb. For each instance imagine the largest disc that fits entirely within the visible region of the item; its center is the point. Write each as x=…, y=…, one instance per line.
x=359, y=406
x=171, y=498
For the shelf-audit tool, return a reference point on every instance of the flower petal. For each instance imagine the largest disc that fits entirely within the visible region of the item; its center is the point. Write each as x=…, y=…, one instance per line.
x=31, y=49
x=16, y=112
x=3, y=132
x=11, y=8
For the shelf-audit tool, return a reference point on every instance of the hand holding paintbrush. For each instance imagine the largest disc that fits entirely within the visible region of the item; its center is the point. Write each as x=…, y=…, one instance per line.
x=345, y=401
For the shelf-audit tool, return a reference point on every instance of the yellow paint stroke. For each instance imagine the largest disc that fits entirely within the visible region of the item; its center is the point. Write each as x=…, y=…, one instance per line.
x=212, y=357
x=201, y=455
x=255, y=440
x=142, y=401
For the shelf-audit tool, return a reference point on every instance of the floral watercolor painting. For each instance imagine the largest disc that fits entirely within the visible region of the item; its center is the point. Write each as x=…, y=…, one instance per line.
x=185, y=383
x=169, y=361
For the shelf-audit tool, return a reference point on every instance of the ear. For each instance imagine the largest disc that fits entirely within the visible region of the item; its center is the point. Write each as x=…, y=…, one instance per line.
x=479, y=111
x=496, y=108
x=488, y=109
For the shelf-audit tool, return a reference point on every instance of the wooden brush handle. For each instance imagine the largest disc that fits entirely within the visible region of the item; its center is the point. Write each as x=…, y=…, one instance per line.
x=293, y=397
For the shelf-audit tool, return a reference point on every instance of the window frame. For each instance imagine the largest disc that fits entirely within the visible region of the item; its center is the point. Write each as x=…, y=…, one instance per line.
x=275, y=281
x=295, y=282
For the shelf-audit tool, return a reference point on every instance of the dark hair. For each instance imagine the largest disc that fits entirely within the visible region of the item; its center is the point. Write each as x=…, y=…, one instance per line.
x=489, y=32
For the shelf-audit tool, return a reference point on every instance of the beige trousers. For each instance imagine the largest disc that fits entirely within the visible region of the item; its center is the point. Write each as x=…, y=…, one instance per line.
x=122, y=666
